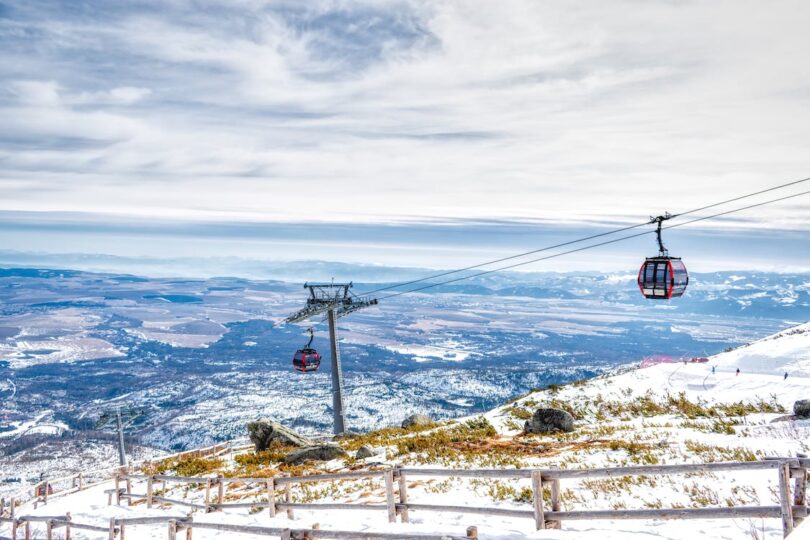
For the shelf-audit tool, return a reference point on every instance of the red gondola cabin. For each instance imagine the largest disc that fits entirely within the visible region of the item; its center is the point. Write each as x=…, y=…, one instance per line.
x=662, y=278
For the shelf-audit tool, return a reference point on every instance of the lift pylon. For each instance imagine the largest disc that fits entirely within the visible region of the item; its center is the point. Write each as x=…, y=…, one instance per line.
x=335, y=300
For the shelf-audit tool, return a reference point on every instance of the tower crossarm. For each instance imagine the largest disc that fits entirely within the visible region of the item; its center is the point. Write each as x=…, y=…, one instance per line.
x=357, y=304
x=311, y=310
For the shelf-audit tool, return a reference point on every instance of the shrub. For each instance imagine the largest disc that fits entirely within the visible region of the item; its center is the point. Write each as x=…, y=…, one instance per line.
x=193, y=466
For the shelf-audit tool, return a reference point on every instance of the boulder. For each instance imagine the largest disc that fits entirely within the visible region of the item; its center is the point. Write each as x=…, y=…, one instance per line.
x=417, y=420
x=367, y=451
x=265, y=432
x=549, y=420
x=801, y=408
x=323, y=452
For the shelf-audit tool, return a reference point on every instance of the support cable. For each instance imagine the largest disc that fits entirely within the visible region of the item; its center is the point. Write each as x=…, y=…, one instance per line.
x=591, y=246
x=579, y=240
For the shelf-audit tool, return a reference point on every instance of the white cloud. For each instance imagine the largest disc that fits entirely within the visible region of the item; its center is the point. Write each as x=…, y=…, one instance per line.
x=122, y=95
x=36, y=93
x=379, y=111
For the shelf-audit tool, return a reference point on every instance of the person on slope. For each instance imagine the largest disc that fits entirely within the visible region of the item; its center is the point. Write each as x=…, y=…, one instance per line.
x=738, y=372
x=785, y=376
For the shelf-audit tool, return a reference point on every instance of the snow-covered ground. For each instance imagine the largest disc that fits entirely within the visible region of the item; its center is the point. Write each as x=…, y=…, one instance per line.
x=665, y=413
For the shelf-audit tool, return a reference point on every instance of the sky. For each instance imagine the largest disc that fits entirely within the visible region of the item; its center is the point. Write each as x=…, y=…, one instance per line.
x=417, y=133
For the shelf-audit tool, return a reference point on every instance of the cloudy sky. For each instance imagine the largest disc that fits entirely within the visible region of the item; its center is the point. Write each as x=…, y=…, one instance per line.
x=318, y=126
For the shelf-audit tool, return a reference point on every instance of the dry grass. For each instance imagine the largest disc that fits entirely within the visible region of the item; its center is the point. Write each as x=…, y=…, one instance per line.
x=383, y=437
x=710, y=454
x=185, y=466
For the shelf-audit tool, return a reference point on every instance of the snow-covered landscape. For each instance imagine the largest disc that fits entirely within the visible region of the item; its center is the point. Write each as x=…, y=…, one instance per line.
x=404, y=269
x=668, y=413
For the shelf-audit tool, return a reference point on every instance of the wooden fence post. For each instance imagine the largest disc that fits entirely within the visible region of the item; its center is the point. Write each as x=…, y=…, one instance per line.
x=288, y=498
x=403, y=495
x=220, y=491
x=172, y=529
x=150, y=489
x=81, y=481
x=118, y=488
x=537, y=496
x=389, y=496
x=208, y=496
x=799, y=492
x=472, y=533
x=122, y=530
x=286, y=533
x=68, y=517
x=785, y=500
x=27, y=530
x=111, y=533
x=49, y=529
x=271, y=497
x=129, y=491
x=555, y=503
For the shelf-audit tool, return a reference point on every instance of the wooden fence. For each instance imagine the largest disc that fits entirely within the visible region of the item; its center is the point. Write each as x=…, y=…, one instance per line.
x=791, y=510
x=57, y=487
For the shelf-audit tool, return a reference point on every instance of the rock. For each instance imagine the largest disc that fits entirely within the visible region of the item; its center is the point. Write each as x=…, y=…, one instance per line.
x=367, y=451
x=323, y=452
x=549, y=420
x=265, y=432
x=801, y=408
x=417, y=420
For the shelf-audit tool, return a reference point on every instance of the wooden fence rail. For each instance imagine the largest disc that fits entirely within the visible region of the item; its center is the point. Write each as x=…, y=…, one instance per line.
x=116, y=529
x=791, y=510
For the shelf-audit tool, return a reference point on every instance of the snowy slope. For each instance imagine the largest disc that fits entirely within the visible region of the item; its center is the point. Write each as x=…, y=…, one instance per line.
x=666, y=413
x=787, y=351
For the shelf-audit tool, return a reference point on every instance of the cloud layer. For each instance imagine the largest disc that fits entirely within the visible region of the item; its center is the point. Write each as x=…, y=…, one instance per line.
x=388, y=111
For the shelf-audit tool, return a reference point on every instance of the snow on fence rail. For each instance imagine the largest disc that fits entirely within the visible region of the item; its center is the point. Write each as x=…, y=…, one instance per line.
x=792, y=508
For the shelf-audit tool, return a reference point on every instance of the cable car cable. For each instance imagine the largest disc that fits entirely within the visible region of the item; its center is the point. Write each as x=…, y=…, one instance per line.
x=584, y=239
x=479, y=265
x=613, y=241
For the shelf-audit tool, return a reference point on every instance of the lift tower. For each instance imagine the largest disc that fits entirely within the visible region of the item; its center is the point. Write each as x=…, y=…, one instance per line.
x=335, y=300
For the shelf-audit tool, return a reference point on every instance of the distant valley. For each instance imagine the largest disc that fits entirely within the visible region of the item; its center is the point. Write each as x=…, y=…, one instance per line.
x=197, y=358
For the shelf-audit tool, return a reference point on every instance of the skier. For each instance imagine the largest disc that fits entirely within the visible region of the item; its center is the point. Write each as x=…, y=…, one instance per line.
x=785, y=376
x=713, y=368
x=738, y=372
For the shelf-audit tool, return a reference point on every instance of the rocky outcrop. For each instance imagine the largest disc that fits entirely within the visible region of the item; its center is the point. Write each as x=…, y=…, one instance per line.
x=263, y=433
x=801, y=408
x=417, y=420
x=549, y=420
x=367, y=451
x=323, y=452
